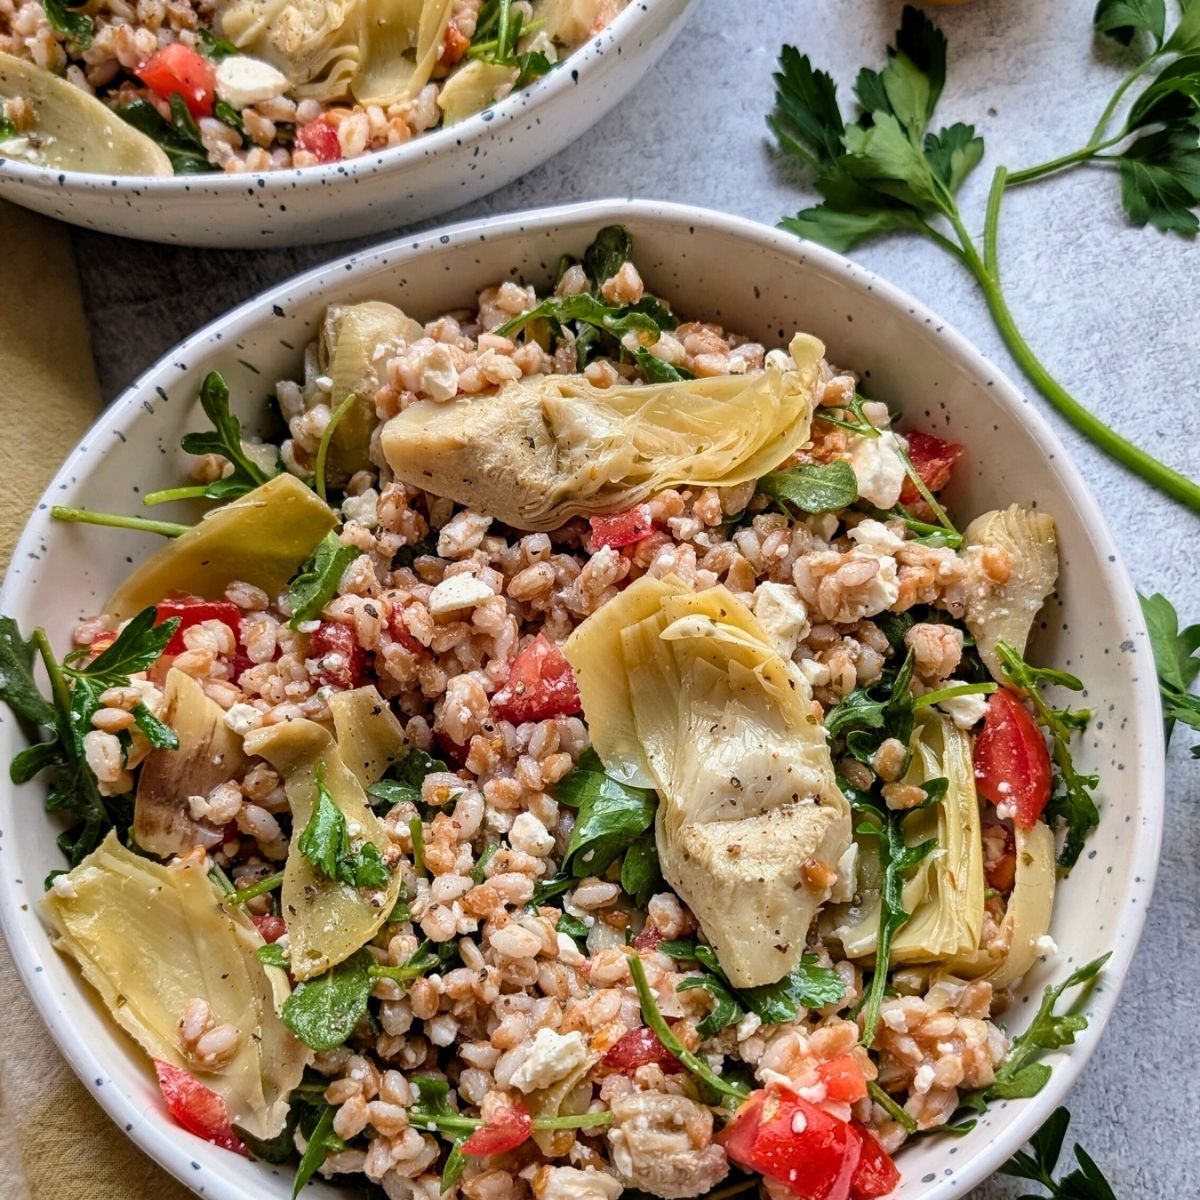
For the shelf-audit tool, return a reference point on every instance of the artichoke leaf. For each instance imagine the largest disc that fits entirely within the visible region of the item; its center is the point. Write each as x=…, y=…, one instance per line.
x=944, y=896
x=209, y=754
x=369, y=737
x=259, y=538
x=351, y=353
x=543, y=449
x=474, y=87
x=73, y=131
x=1027, y=917
x=327, y=920
x=119, y=913
x=567, y=22
x=568, y=1097
x=1005, y=612
x=686, y=690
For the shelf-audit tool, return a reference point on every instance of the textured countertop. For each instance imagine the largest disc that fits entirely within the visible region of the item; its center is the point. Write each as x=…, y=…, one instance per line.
x=1113, y=310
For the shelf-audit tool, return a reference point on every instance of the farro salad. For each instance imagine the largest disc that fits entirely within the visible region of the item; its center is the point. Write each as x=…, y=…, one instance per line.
x=256, y=85
x=581, y=758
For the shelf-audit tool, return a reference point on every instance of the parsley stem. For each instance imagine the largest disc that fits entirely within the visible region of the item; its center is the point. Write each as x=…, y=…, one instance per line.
x=654, y=1018
x=193, y=492
x=891, y=1107
x=323, y=449
x=987, y=274
x=260, y=888
x=115, y=520
x=949, y=693
x=1057, y=164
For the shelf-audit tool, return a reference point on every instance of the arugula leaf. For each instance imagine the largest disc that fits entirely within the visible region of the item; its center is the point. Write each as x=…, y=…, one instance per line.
x=531, y=65
x=610, y=250
x=282, y=1146
x=1072, y=801
x=18, y=688
x=214, y=47
x=547, y=889
x=224, y=439
x=868, y=716
x=318, y=580
x=322, y=1142
x=160, y=735
x=616, y=320
x=811, y=487
x=657, y=371
x=572, y=927
x=808, y=985
x=228, y=115
x=498, y=29
x=456, y=1164
x=404, y=778
x=76, y=26
x=179, y=137
x=323, y=1012
x=405, y=556
x=325, y=842
x=611, y=818
x=273, y=955
x=7, y=129
x=725, y=1010
x=641, y=876
x=137, y=648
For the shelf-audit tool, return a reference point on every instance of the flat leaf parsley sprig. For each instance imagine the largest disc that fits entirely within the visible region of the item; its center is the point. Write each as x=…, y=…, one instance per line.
x=886, y=170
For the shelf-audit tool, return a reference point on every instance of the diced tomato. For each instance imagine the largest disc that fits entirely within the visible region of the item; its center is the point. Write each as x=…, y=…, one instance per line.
x=507, y=1129
x=177, y=69
x=622, y=529
x=454, y=45
x=638, y=1047
x=400, y=633
x=787, y=1139
x=843, y=1079
x=932, y=459
x=197, y=1108
x=271, y=928
x=455, y=753
x=876, y=1174
x=1012, y=764
x=320, y=140
x=191, y=610
x=540, y=684
x=648, y=939
x=341, y=661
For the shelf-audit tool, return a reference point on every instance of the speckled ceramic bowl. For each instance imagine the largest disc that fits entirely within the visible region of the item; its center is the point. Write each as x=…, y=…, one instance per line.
x=432, y=174
x=757, y=280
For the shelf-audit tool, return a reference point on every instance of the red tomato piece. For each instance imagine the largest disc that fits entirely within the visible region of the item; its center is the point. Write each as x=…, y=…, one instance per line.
x=341, y=660
x=400, y=633
x=1012, y=764
x=320, y=140
x=843, y=1079
x=638, y=1047
x=175, y=69
x=622, y=529
x=779, y=1135
x=507, y=1130
x=455, y=753
x=932, y=459
x=270, y=928
x=540, y=684
x=197, y=1108
x=454, y=45
x=648, y=939
x=191, y=610
x=876, y=1174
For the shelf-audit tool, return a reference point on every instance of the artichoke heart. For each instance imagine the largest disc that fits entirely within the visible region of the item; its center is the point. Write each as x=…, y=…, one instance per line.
x=376, y=51
x=472, y=88
x=543, y=449
x=73, y=131
x=684, y=691
x=327, y=920
x=369, y=737
x=259, y=538
x=944, y=895
x=151, y=938
x=209, y=753
x=1005, y=612
x=347, y=358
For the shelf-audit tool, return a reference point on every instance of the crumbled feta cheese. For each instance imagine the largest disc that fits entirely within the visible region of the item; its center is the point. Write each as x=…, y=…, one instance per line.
x=824, y=526
x=817, y=673
x=875, y=538
x=892, y=1015
x=439, y=375
x=362, y=509
x=571, y=1183
x=458, y=592
x=782, y=613
x=569, y=953
x=243, y=81
x=1044, y=945
x=241, y=718
x=815, y=1094
x=530, y=836
x=748, y=1026
x=1005, y=811
x=552, y=1056
x=884, y=590
x=923, y=1079
x=847, y=881
x=799, y=1122
x=878, y=468
x=964, y=711
x=63, y=886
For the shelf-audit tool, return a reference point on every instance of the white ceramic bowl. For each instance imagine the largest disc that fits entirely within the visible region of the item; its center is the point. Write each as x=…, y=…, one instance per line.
x=430, y=175
x=754, y=279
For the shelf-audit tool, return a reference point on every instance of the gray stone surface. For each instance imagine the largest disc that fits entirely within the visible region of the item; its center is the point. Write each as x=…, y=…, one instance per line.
x=1115, y=311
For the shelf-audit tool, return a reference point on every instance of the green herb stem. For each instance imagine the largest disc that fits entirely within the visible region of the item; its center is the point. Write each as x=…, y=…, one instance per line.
x=951, y=693
x=192, y=492
x=453, y=1123
x=1065, y=160
x=84, y=517
x=221, y=881
x=416, y=832
x=654, y=1018
x=986, y=272
x=327, y=437
x=261, y=888
x=58, y=681
x=891, y=1107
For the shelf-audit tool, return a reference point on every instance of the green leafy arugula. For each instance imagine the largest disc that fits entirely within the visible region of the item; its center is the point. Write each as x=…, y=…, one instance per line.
x=1086, y=1182
x=498, y=29
x=1072, y=801
x=403, y=780
x=870, y=715
x=76, y=687
x=75, y=26
x=811, y=487
x=318, y=579
x=225, y=439
x=214, y=47
x=325, y=842
x=7, y=129
x=322, y=1142
x=179, y=137
x=1177, y=662
x=886, y=169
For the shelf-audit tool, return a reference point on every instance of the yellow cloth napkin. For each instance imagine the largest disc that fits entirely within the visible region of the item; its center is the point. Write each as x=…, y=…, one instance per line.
x=55, y=1142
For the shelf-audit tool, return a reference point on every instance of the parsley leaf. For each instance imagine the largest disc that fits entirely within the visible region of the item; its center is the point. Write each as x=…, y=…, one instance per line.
x=224, y=439
x=811, y=487
x=404, y=778
x=1177, y=661
x=1160, y=180
x=75, y=26
x=318, y=580
x=868, y=716
x=609, y=251
x=324, y=1011
x=179, y=137
x=1122, y=20
x=1085, y=1183
x=273, y=955
x=325, y=842
x=214, y=47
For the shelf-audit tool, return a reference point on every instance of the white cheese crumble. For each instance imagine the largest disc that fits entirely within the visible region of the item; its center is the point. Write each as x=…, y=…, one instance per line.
x=748, y=1026
x=817, y=673
x=241, y=718
x=571, y=1183
x=847, y=880
x=964, y=711
x=1044, y=945
x=782, y=613
x=439, y=375
x=878, y=468
x=552, y=1056
x=458, y=592
x=64, y=887
x=875, y=538
x=243, y=81
x=923, y=1079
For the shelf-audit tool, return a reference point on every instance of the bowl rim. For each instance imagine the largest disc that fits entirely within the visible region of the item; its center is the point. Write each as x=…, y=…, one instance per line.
x=176, y=1154
x=425, y=146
